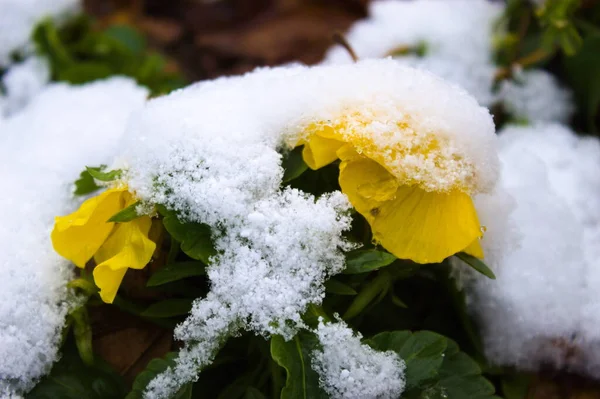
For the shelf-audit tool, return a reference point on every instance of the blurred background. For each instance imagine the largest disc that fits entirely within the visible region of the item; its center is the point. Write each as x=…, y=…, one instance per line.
x=209, y=38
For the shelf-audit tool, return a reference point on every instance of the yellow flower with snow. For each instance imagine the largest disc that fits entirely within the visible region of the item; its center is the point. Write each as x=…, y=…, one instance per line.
x=412, y=185
x=115, y=247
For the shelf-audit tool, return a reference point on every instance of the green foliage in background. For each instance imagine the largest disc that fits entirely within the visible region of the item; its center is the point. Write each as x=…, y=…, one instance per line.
x=564, y=37
x=78, y=53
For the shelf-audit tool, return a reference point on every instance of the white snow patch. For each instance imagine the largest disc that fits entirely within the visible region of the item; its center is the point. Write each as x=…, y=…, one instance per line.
x=42, y=150
x=22, y=82
x=349, y=369
x=536, y=96
x=19, y=17
x=543, y=307
x=457, y=36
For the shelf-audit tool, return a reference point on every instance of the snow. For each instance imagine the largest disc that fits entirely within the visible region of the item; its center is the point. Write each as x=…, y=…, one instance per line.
x=457, y=37
x=43, y=148
x=19, y=17
x=349, y=369
x=444, y=27
x=22, y=82
x=543, y=307
x=212, y=152
x=536, y=96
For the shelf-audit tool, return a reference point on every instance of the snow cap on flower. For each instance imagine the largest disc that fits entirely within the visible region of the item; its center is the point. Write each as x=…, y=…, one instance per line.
x=447, y=139
x=211, y=152
x=554, y=178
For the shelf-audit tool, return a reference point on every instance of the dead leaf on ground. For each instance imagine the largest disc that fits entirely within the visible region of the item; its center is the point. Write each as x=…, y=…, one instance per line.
x=127, y=343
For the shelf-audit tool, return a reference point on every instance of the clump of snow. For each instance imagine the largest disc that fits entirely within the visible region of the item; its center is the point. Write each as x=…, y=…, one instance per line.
x=22, y=82
x=456, y=36
x=272, y=264
x=536, y=96
x=380, y=100
x=210, y=152
x=349, y=369
x=19, y=17
x=543, y=307
x=43, y=148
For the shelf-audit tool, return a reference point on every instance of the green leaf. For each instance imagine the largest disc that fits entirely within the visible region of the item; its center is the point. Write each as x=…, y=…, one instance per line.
x=127, y=36
x=70, y=378
x=293, y=165
x=373, y=290
x=104, y=176
x=85, y=184
x=302, y=381
x=49, y=44
x=581, y=70
x=333, y=286
x=363, y=261
x=570, y=41
x=84, y=72
x=137, y=309
x=476, y=264
x=154, y=368
x=516, y=386
x=169, y=308
x=195, y=238
x=460, y=377
x=435, y=367
x=185, y=392
x=80, y=53
x=253, y=393
x=398, y=302
x=457, y=298
x=126, y=215
x=176, y=271
x=421, y=351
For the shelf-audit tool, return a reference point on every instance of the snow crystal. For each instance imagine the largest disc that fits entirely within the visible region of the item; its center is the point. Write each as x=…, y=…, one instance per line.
x=210, y=152
x=22, y=82
x=445, y=29
x=43, y=148
x=536, y=96
x=543, y=307
x=349, y=369
x=19, y=17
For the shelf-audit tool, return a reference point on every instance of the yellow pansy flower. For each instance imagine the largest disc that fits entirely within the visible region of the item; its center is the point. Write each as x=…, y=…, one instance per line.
x=115, y=247
x=410, y=214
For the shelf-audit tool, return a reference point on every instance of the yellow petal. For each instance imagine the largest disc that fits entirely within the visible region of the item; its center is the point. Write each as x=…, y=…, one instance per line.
x=127, y=247
x=78, y=236
x=425, y=227
x=109, y=281
x=475, y=249
x=319, y=151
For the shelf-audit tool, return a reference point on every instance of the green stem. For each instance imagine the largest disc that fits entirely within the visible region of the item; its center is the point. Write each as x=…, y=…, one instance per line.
x=83, y=334
x=83, y=284
x=375, y=287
